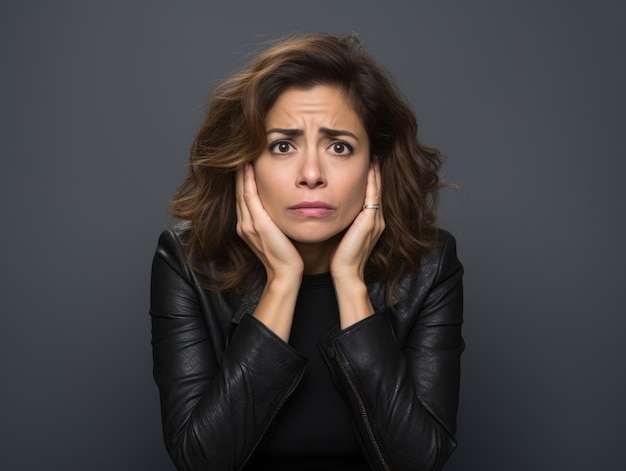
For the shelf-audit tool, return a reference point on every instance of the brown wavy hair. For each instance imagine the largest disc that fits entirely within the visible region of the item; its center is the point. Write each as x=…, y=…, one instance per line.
x=233, y=133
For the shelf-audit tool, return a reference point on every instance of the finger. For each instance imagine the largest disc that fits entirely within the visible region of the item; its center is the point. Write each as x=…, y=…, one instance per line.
x=239, y=186
x=379, y=222
x=379, y=186
x=371, y=190
x=239, y=198
x=247, y=218
x=251, y=195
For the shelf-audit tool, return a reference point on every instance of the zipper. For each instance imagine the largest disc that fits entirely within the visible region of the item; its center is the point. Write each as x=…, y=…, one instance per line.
x=366, y=422
x=269, y=422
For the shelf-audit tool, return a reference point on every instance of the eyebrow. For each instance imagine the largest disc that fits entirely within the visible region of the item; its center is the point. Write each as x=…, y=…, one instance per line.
x=286, y=132
x=299, y=132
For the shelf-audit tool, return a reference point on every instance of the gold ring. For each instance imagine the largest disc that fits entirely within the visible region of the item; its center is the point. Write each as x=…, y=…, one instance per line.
x=371, y=206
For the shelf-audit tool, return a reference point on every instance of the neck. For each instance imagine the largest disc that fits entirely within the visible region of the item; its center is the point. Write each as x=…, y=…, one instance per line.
x=316, y=256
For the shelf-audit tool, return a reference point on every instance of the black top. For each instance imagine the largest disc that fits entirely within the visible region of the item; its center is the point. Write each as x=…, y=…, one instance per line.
x=313, y=430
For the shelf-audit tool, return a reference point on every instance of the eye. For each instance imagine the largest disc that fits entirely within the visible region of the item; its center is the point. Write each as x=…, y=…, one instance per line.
x=281, y=147
x=341, y=148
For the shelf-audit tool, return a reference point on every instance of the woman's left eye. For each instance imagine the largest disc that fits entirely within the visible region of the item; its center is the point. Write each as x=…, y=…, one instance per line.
x=341, y=148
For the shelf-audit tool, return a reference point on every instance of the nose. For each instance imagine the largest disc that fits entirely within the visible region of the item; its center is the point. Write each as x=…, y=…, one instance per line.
x=311, y=172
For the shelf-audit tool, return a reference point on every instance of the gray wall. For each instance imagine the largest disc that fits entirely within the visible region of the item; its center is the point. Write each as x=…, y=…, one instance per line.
x=99, y=103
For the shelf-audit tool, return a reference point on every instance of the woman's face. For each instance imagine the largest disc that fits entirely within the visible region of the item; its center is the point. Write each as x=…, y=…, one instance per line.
x=311, y=178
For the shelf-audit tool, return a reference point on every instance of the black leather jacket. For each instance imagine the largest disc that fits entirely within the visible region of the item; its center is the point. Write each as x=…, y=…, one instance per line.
x=223, y=375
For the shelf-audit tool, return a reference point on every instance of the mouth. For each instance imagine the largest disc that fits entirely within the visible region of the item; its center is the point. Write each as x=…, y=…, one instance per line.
x=312, y=209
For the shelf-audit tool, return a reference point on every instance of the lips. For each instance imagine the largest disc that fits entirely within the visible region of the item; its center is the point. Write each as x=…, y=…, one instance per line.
x=312, y=208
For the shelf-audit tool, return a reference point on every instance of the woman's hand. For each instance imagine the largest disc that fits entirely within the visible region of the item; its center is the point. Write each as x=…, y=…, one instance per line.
x=359, y=240
x=275, y=251
x=282, y=262
x=347, y=265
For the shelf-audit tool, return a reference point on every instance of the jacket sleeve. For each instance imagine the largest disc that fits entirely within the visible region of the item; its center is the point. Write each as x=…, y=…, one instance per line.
x=218, y=394
x=404, y=391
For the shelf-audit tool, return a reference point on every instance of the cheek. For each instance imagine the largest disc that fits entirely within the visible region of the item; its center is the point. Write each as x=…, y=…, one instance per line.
x=356, y=195
x=267, y=195
x=266, y=185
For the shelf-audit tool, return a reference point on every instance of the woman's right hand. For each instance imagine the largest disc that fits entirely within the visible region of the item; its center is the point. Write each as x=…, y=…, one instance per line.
x=255, y=226
x=283, y=264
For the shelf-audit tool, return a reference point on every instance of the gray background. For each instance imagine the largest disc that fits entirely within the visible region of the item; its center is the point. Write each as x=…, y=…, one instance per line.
x=100, y=102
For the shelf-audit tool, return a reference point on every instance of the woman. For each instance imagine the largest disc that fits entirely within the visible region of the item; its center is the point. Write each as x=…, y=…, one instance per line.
x=307, y=312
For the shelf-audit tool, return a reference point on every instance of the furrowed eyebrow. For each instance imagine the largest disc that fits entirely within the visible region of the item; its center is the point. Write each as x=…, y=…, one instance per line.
x=286, y=132
x=338, y=133
x=299, y=132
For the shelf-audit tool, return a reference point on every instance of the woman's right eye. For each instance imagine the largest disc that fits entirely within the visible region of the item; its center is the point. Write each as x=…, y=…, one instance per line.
x=281, y=147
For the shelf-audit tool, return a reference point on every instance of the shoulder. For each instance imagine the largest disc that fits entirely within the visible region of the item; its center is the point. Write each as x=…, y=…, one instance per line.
x=176, y=235
x=174, y=239
x=174, y=249
x=437, y=266
x=443, y=258
x=172, y=246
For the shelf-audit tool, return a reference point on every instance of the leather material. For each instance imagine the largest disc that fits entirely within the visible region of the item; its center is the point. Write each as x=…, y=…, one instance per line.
x=223, y=375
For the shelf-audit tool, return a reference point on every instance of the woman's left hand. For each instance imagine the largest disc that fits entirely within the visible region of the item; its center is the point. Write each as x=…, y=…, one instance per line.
x=353, y=251
x=347, y=264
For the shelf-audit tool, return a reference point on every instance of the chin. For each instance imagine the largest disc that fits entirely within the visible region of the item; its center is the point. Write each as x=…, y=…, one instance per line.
x=313, y=236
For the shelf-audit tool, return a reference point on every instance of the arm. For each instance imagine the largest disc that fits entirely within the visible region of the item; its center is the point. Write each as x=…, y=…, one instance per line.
x=400, y=370
x=348, y=262
x=217, y=394
x=282, y=262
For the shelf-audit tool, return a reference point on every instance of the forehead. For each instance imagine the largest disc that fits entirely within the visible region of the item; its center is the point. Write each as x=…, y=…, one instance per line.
x=320, y=103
